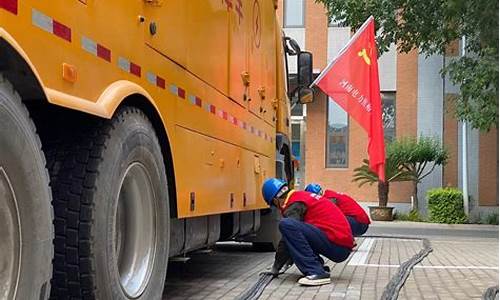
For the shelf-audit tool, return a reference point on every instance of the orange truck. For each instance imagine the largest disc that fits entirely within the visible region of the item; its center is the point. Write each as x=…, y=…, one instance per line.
x=136, y=131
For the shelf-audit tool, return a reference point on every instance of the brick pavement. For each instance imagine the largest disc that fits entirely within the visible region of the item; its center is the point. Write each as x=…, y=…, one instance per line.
x=466, y=275
x=456, y=269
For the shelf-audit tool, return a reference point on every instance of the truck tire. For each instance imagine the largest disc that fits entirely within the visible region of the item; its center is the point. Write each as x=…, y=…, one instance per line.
x=111, y=208
x=26, y=230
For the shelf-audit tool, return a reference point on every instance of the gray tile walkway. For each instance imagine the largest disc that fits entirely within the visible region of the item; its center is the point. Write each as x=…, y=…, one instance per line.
x=458, y=268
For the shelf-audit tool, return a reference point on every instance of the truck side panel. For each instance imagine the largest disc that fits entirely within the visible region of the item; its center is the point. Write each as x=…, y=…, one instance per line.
x=104, y=42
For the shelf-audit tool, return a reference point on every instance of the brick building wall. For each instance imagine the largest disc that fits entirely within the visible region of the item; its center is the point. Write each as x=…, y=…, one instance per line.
x=316, y=36
x=412, y=118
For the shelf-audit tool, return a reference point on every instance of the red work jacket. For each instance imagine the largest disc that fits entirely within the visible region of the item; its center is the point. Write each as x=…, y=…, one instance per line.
x=348, y=206
x=323, y=214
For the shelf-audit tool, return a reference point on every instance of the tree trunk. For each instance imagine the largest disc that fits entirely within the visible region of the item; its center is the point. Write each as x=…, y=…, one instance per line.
x=415, y=195
x=383, y=193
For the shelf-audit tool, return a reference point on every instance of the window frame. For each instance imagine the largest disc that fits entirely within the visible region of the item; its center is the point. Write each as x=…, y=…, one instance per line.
x=393, y=92
x=303, y=23
x=327, y=145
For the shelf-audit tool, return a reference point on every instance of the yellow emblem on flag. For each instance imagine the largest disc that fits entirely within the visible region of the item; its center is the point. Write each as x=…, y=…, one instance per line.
x=365, y=56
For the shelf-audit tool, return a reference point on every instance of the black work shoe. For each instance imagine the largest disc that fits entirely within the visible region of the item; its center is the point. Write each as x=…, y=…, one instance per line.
x=313, y=280
x=327, y=269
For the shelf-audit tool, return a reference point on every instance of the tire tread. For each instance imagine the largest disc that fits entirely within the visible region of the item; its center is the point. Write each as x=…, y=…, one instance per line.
x=74, y=155
x=16, y=100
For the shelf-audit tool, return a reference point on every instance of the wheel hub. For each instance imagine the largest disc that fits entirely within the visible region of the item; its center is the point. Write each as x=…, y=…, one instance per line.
x=135, y=232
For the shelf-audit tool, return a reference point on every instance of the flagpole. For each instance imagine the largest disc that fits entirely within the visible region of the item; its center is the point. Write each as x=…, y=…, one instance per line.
x=465, y=177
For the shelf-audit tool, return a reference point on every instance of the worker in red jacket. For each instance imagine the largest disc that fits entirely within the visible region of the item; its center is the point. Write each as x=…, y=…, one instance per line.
x=312, y=225
x=355, y=214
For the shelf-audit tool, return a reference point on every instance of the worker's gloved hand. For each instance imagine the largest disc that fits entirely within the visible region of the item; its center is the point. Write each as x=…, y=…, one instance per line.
x=275, y=271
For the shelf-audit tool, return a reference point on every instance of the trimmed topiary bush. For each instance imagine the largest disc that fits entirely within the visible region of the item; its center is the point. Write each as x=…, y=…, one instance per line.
x=446, y=206
x=420, y=157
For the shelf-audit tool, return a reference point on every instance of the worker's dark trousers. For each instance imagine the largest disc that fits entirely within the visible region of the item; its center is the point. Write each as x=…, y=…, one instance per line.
x=358, y=229
x=305, y=242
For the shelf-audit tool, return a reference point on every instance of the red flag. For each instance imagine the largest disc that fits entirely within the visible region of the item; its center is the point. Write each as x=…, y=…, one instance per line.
x=352, y=81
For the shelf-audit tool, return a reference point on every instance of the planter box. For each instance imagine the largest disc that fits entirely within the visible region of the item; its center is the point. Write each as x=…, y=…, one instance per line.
x=381, y=213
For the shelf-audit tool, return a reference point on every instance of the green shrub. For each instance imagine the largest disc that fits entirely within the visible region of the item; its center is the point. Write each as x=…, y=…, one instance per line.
x=492, y=219
x=446, y=206
x=413, y=216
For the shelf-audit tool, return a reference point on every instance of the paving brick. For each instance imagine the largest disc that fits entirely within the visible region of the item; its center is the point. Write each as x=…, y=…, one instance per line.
x=230, y=270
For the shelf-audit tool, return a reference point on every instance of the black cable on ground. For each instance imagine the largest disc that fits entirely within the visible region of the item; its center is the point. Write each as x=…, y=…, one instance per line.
x=256, y=290
x=391, y=291
x=491, y=293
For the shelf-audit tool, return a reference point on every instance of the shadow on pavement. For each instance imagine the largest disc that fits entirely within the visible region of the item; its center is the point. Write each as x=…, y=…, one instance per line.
x=219, y=269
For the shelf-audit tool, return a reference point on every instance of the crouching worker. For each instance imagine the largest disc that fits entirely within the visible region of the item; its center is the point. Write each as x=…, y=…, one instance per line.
x=355, y=214
x=312, y=225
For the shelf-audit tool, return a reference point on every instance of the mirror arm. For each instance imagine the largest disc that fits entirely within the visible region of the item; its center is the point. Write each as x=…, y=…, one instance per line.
x=291, y=46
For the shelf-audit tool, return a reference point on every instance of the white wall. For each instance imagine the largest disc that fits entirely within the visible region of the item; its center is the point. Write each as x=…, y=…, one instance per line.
x=387, y=70
x=337, y=39
x=430, y=115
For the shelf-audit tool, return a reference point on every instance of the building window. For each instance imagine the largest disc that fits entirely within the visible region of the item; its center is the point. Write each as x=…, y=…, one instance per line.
x=293, y=13
x=337, y=133
x=298, y=110
x=389, y=115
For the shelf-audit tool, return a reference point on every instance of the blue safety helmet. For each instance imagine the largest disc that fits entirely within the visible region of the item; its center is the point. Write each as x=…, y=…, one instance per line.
x=313, y=188
x=271, y=188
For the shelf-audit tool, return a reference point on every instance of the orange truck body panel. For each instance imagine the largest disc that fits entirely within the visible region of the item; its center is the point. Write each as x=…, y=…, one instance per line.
x=187, y=58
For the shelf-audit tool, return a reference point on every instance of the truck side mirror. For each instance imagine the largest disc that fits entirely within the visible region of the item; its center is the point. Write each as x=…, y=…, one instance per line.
x=306, y=95
x=304, y=66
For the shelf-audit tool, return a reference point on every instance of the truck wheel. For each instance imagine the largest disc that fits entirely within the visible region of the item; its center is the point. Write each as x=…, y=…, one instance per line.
x=111, y=209
x=25, y=211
